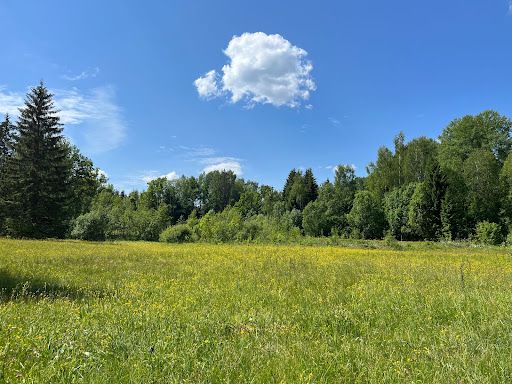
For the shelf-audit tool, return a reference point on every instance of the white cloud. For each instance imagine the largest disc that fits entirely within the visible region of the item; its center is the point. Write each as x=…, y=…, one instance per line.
x=171, y=176
x=101, y=124
x=100, y=119
x=152, y=175
x=84, y=75
x=225, y=166
x=10, y=101
x=262, y=68
x=207, y=86
x=102, y=173
x=335, y=169
x=222, y=164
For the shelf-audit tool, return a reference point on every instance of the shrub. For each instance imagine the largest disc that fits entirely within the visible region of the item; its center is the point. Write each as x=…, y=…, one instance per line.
x=509, y=238
x=488, y=233
x=179, y=233
x=221, y=227
x=296, y=218
x=90, y=226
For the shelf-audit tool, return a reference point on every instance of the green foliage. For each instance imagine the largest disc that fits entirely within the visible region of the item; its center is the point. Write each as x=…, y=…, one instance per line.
x=300, y=189
x=179, y=233
x=315, y=221
x=85, y=182
x=487, y=131
x=311, y=186
x=222, y=227
x=509, y=239
x=407, y=164
x=421, y=190
x=296, y=218
x=6, y=147
x=390, y=241
x=270, y=197
x=488, y=233
x=418, y=154
x=454, y=208
x=382, y=176
x=90, y=226
x=396, y=208
x=366, y=218
x=249, y=203
x=481, y=176
x=217, y=190
x=426, y=204
x=40, y=170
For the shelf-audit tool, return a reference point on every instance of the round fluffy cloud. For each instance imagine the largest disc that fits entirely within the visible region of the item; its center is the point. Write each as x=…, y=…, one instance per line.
x=262, y=69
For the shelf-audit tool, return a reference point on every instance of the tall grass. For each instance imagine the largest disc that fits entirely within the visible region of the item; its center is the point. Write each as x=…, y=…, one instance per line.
x=156, y=313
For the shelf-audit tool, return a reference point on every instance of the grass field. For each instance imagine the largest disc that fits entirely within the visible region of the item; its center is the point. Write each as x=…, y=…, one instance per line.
x=155, y=313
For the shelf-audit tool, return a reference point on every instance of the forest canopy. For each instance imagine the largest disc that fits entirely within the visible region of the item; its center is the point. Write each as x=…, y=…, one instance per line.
x=455, y=187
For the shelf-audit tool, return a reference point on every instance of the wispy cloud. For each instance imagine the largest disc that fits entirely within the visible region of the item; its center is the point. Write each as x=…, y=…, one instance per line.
x=334, y=121
x=262, y=68
x=95, y=112
x=102, y=127
x=205, y=157
x=139, y=180
x=10, y=101
x=92, y=72
x=215, y=160
x=195, y=152
x=510, y=7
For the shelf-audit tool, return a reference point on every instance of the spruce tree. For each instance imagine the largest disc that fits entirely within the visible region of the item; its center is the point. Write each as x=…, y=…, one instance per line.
x=289, y=184
x=6, y=144
x=39, y=170
x=311, y=186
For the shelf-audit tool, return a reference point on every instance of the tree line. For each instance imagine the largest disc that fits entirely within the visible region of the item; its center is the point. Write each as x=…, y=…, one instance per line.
x=454, y=188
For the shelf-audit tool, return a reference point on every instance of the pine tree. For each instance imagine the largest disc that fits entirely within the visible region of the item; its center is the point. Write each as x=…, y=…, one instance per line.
x=6, y=140
x=6, y=144
x=311, y=186
x=289, y=184
x=40, y=169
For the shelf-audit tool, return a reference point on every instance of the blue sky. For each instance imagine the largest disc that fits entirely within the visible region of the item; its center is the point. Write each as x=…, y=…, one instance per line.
x=296, y=84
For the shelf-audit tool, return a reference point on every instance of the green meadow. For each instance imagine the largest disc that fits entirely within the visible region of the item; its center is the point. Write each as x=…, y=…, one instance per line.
x=136, y=312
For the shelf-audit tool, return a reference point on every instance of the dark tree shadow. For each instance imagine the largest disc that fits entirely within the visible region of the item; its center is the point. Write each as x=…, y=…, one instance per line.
x=15, y=287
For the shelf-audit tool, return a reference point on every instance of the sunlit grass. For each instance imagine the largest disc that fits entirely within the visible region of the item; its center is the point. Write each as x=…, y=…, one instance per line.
x=156, y=313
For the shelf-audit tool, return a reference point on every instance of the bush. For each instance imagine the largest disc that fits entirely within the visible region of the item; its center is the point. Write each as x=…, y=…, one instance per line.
x=90, y=226
x=509, y=238
x=488, y=233
x=179, y=233
x=296, y=218
x=221, y=227
x=390, y=241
